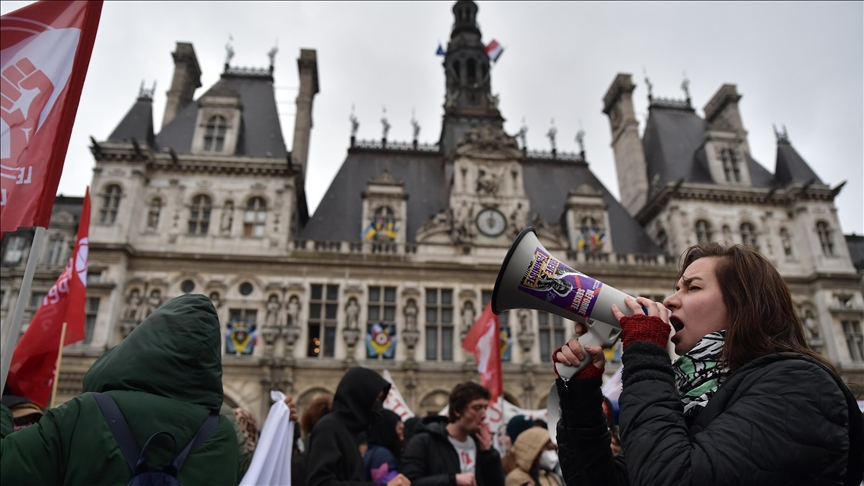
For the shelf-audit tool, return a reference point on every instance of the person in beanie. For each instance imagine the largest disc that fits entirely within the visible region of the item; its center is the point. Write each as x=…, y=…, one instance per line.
x=165, y=376
x=747, y=402
x=515, y=426
x=456, y=450
x=535, y=460
x=333, y=450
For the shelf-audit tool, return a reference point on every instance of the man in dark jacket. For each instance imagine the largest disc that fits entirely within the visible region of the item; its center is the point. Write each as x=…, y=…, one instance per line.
x=166, y=375
x=459, y=452
x=333, y=451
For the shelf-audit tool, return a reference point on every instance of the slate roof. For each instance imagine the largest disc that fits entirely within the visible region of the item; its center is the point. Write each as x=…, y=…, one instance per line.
x=791, y=167
x=260, y=130
x=338, y=216
x=673, y=150
x=137, y=124
x=547, y=184
x=856, y=250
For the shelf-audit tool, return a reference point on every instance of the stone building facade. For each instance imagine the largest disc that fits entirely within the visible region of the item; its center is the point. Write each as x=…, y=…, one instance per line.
x=401, y=255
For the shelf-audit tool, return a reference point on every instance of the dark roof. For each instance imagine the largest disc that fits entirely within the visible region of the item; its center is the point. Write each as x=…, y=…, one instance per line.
x=671, y=140
x=338, y=216
x=72, y=204
x=791, y=167
x=260, y=130
x=856, y=250
x=137, y=124
x=548, y=183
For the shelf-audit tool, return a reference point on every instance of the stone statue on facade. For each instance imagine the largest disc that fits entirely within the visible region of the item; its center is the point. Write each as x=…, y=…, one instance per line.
x=352, y=314
x=273, y=306
x=133, y=306
x=524, y=321
x=411, y=315
x=293, y=312
x=227, y=219
x=522, y=134
x=385, y=125
x=468, y=315
x=551, y=134
x=415, y=127
x=154, y=301
x=355, y=124
x=488, y=181
x=462, y=227
x=215, y=300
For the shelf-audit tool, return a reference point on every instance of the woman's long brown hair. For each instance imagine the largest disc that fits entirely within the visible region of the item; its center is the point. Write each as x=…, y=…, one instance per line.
x=762, y=318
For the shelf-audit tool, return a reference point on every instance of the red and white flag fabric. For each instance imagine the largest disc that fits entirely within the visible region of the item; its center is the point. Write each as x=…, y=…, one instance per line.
x=34, y=362
x=494, y=50
x=484, y=341
x=394, y=400
x=44, y=53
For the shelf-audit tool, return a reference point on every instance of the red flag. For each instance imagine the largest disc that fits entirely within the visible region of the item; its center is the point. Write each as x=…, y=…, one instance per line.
x=484, y=341
x=44, y=53
x=35, y=359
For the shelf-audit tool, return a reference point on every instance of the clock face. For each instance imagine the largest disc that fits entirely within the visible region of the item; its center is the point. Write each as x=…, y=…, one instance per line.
x=491, y=222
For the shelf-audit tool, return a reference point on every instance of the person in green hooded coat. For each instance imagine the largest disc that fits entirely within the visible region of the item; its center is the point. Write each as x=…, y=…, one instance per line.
x=166, y=375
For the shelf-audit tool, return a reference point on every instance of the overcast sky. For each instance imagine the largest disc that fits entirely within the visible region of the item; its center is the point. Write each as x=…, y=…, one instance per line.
x=798, y=64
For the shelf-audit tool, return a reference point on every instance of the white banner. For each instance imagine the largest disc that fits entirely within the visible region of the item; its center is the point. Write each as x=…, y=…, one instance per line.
x=394, y=400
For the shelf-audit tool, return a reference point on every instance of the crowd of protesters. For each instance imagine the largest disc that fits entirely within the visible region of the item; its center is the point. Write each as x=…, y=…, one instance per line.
x=747, y=402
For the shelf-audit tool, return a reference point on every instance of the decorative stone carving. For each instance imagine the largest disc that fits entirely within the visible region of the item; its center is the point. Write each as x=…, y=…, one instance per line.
x=273, y=307
x=227, y=218
x=438, y=222
x=467, y=317
x=132, y=313
x=526, y=336
x=293, y=312
x=489, y=180
x=489, y=142
x=216, y=300
x=153, y=303
x=463, y=224
x=352, y=314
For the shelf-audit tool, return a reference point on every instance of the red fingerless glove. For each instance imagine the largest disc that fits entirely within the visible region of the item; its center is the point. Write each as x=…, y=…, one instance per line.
x=589, y=371
x=640, y=327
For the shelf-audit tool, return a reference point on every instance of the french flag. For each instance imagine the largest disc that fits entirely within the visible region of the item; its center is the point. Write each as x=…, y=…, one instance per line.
x=494, y=50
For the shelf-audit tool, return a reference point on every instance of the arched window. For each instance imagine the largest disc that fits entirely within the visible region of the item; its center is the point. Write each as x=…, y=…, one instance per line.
x=214, y=134
x=110, y=202
x=703, y=231
x=730, y=165
x=255, y=217
x=786, y=241
x=472, y=70
x=825, y=238
x=199, y=215
x=748, y=236
x=153, y=213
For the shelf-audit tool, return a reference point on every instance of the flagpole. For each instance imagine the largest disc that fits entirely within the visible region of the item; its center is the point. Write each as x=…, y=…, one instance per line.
x=57, y=369
x=14, y=331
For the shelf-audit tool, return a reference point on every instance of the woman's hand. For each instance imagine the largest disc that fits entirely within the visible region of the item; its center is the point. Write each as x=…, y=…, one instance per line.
x=572, y=352
x=653, y=327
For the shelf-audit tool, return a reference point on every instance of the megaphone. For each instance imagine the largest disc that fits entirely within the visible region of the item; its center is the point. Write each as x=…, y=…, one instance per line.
x=531, y=278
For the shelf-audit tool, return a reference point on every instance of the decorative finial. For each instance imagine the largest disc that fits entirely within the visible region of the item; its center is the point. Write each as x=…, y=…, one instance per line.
x=354, y=123
x=782, y=137
x=415, y=125
x=146, y=93
x=551, y=134
x=580, y=139
x=229, y=50
x=685, y=85
x=522, y=134
x=384, y=123
x=650, y=86
x=272, y=52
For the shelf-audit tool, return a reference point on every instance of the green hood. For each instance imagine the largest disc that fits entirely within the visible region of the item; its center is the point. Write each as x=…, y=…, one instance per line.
x=174, y=353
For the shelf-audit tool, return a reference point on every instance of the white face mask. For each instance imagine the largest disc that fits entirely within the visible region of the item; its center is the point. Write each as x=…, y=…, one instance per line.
x=548, y=460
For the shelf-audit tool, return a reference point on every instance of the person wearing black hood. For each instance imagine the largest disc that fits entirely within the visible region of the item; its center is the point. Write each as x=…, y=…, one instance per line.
x=334, y=457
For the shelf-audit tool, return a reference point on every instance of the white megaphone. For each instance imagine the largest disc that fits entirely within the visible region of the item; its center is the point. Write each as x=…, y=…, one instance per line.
x=531, y=278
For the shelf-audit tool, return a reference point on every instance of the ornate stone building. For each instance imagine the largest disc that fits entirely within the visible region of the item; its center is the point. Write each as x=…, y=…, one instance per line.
x=401, y=254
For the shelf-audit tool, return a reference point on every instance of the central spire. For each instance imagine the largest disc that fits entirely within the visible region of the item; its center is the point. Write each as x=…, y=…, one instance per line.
x=469, y=101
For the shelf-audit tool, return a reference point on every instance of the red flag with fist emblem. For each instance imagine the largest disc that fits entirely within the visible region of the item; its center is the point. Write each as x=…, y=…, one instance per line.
x=44, y=53
x=34, y=363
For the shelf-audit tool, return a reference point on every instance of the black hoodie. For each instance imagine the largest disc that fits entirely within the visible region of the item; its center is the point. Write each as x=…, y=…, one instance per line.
x=334, y=457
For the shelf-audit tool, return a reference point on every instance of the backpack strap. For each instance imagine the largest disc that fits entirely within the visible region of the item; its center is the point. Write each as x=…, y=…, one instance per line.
x=203, y=434
x=119, y=428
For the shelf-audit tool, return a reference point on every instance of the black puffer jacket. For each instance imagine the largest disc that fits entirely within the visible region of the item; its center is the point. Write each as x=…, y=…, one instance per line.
x=781, y=421
x=334, y=457
x=431, y=460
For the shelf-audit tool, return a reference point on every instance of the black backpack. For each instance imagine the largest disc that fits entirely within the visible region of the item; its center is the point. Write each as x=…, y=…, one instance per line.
x=135, y=458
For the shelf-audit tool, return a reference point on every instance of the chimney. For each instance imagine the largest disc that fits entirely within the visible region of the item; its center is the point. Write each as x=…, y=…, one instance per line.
x=629, y=154
x=187, y=78
x=307, y=65
x=722, y=113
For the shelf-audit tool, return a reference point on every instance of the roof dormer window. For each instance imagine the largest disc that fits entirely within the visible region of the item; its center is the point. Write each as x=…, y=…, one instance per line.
x=730, y=166
x=214, y=134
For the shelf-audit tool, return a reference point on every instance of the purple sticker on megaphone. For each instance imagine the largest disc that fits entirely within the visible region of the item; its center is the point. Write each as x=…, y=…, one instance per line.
x=548, y=279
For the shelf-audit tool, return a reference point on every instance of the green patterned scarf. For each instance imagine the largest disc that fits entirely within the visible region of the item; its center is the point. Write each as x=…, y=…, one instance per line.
x=698, y=373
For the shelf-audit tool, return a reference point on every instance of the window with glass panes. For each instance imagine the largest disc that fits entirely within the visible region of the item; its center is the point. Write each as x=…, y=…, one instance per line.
x=825, y=238
x=552, y=334
x=854, y=339
x=439, y=324
x=90, y=319
x=382, y=305
x=110, y=202
x=254, y=217
x=504, y=324
x=56, y=250
x=703, y=231
x=323, y=309
x=36, y=299
x=199, y=215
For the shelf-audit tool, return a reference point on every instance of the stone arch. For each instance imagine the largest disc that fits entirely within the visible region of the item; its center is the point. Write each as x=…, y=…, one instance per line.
x=433, y=402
